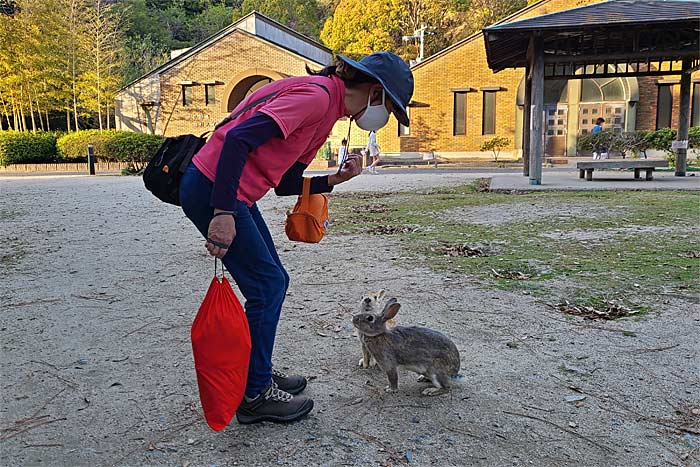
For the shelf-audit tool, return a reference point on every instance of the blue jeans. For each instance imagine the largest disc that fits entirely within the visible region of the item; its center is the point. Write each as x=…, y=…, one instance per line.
x=255, y=266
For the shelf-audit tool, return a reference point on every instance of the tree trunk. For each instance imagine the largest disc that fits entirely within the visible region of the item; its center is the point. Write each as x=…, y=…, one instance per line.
x=74, y=58
x=68, y=119
x=38, y=112
x=98, y=65
x=4, y=111
x=48, y=124
x=31, y=111
x=22, y=121
x=75, y=105
x=15, y=115
x=107, y=109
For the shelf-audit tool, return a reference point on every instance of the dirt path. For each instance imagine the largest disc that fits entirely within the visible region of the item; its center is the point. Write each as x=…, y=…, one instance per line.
x=100, y=283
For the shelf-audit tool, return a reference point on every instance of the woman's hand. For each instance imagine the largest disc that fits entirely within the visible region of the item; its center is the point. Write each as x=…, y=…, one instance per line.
x=222, y=231
x=351, y=168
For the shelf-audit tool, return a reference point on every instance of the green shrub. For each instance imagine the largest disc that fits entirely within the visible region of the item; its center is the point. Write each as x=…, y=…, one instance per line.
x=495, y=145
x=694, y=137
x=605, y=139
x=73, y=146
x=662, y=138
x=110, y=146
x=324, y=152
x=135, y=148
x=636, y=143
x=22, y=147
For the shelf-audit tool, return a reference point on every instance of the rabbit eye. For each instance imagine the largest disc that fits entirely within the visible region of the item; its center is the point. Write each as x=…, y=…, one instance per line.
x=370, y=318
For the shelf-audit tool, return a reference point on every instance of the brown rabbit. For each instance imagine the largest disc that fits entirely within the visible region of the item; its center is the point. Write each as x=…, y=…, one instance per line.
x=421, y=350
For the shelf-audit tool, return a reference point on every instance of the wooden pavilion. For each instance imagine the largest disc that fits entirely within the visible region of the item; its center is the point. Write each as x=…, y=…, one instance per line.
x=618, y=38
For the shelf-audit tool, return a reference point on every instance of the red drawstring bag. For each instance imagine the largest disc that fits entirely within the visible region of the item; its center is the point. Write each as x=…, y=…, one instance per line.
x=221, y=347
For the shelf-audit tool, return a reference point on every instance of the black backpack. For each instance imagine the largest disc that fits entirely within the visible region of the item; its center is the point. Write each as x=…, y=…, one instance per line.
x=164, y=171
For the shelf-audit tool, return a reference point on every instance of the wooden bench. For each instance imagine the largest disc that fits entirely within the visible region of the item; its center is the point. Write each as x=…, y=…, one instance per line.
x=587, y=167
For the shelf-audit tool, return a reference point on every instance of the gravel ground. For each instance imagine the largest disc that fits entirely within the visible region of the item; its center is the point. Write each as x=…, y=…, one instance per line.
x=101, y=282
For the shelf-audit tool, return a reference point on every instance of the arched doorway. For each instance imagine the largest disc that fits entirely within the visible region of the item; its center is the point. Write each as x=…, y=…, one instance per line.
x=246, y=83
x=571, y=108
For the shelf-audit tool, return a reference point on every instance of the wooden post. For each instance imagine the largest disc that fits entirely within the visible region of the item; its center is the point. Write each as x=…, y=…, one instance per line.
x=526, y=121
x=683, y=121
x=536, y=53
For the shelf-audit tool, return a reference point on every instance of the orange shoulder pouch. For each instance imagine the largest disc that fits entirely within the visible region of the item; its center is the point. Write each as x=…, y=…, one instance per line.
x=308, y=220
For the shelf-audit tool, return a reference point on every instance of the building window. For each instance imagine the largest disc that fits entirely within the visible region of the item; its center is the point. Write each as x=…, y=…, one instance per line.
x=489, y=113
x=460, y=114
x=405, y=130
x=695, y=112
x=664, y=107
x=186, y=95
x=210, y=94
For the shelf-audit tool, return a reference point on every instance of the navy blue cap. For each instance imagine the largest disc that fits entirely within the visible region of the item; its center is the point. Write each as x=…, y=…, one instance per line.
x=393, y=74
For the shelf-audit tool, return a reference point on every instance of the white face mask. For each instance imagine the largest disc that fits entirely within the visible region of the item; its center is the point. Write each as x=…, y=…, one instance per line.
x=375, y=116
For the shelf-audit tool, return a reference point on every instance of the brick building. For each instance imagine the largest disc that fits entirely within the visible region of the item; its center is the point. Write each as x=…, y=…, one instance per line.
x=459, y=103
x=201, y=85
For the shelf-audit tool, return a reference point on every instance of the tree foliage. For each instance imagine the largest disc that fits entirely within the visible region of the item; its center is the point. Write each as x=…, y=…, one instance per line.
x=358, y=27
x=58, y=56
x=304, y=16
x=67, y=58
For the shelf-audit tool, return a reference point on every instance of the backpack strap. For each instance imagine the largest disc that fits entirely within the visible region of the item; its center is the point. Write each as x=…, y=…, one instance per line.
x=253, y=104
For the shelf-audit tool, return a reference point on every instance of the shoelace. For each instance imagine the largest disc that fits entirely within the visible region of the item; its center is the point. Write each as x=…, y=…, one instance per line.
x=278, y=373
x=277, y=394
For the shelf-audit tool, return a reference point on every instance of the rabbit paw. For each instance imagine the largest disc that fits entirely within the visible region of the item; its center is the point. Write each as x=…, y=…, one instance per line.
x=390, y=389
x=371, y=364
x=424, y=379
x=434, y=391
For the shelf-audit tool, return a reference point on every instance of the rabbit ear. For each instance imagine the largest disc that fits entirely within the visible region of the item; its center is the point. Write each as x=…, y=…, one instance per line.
x=390, y=309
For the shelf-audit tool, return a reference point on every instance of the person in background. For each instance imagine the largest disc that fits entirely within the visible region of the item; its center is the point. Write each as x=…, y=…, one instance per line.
x=599, y=152
x=342, y=152
x=373, y=150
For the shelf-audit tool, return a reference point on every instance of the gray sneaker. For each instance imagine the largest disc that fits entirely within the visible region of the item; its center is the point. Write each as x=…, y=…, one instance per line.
x=293, y=384
x=273, y=405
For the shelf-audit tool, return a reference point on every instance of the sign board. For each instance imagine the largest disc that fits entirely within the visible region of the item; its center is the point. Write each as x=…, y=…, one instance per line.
x=679, y=145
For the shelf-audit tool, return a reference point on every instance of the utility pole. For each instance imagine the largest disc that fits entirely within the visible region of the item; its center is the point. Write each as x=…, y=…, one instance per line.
x=419, y=34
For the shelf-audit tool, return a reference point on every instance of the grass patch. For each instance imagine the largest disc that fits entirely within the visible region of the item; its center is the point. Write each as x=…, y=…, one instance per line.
x=637, y=243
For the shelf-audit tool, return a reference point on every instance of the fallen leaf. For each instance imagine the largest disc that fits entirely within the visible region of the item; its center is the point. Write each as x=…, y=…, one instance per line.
x=462, y=250
x=612, y=309
x=391, y=230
